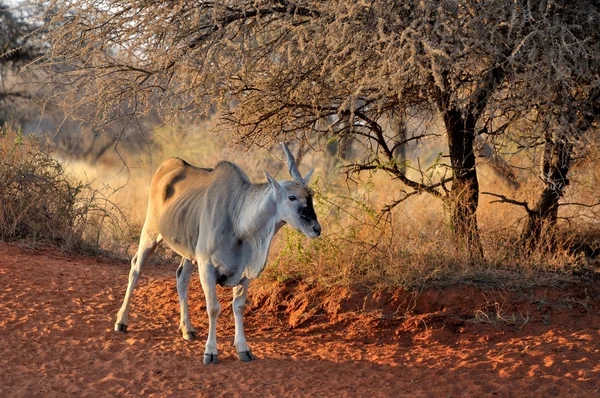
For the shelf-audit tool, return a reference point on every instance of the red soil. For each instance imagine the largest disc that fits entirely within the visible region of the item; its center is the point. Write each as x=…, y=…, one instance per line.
x=56, y=338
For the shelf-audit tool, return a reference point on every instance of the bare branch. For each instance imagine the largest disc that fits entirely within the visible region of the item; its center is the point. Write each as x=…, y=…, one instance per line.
x=504, y=199
x=592, y=205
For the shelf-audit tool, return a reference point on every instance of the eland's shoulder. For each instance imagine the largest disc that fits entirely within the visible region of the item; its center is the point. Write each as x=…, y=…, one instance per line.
x=232, y=170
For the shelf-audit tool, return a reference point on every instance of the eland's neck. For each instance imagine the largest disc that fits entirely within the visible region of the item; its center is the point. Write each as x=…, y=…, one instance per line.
x=258, y=217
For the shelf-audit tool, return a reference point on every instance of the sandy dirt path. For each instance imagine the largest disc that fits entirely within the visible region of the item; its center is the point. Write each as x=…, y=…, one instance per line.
x=56, y=339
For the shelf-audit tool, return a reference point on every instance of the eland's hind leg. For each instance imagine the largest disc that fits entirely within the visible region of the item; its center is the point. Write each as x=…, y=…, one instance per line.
x=148, y=244
x=184, y=272
x=208, y=279
x=239, y=305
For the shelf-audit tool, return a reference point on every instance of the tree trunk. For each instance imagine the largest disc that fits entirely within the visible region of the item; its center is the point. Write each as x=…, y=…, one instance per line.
x=464, y=196
x=541, y=221
x=398, y=126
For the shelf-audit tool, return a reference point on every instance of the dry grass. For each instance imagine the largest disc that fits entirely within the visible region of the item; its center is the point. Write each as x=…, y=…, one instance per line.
x=494, y=313
x=40, y=203
x=412, y=248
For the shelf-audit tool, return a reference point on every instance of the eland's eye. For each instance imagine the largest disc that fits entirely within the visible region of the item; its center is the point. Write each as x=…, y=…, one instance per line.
x=292, y=198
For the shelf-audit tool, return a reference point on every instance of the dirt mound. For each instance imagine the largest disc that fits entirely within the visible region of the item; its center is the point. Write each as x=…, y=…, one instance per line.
x=56, y=339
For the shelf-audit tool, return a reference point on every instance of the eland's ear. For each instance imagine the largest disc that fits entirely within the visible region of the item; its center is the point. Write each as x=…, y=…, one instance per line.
x=273, y=183
x=307, y=178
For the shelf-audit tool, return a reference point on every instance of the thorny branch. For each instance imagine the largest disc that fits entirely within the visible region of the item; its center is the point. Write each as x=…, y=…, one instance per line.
x=504, y=199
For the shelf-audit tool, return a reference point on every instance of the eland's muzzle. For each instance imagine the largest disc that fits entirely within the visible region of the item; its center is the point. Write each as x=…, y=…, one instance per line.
x=317, y=229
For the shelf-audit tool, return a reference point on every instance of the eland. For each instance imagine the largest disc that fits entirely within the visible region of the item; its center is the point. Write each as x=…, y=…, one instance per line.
x=221, y=221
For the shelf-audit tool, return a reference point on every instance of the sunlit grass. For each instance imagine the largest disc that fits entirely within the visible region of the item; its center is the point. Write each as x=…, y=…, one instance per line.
x=411, y=247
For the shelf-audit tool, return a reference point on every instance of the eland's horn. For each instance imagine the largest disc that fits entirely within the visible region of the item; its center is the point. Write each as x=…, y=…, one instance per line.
x=294, y=172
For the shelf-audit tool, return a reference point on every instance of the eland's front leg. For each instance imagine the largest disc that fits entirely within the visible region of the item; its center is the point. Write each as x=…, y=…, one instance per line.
x=239, y=305
x=208, y=279
x=147, y=246
x=184, y=272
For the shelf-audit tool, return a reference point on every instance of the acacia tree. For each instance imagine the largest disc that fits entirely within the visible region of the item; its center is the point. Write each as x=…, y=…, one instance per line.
x=567, y=131
x=280, y=69
x=558, y=90
x=571, y=68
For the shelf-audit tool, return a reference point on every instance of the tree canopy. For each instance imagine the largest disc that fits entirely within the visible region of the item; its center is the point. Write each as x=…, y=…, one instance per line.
x=276, y=70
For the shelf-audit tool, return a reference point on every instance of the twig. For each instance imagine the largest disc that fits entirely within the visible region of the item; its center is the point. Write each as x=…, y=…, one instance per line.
x=579, y=204
x=504, y=199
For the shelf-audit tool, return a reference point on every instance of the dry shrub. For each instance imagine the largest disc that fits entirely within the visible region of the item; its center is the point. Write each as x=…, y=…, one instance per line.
x=414, y=247
x=411, y=247
x=41, y=204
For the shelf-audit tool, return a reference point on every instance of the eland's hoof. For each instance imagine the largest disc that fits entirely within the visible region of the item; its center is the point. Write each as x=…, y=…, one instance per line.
x=119, y=327
x=246, y=356
x=190, y=336
x=211, y=359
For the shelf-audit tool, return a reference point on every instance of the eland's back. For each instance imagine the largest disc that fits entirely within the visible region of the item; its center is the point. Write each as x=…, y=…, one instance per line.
x=186, y=200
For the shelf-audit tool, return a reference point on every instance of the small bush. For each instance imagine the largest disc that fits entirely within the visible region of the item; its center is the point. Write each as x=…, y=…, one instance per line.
x=40, y=203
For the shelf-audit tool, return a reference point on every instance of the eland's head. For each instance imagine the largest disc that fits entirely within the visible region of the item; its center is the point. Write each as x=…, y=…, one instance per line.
x=294, y=199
